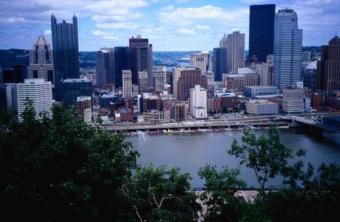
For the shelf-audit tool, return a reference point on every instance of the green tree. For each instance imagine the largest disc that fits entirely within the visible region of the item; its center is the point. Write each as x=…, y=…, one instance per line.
x=161, y=194
x=265, y=155
x=219, y=197
x=61, y=169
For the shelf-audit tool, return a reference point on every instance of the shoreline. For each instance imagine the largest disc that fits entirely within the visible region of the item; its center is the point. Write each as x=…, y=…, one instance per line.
x=183, y=132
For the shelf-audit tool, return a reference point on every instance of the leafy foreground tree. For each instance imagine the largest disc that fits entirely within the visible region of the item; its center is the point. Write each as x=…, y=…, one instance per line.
x=161, y=194
x=60, y=169
x=304, y=195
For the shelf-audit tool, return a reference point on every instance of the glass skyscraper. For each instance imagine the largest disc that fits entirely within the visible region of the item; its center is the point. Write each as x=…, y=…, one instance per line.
x=65, y=51
x=261, y=31
x=219, y=63
x=121, y=62
x=287, y=49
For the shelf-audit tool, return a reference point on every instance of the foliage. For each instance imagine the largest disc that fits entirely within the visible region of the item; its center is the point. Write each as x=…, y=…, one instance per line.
x=265, y=155
x=219, y=195
x=60, y=169
x=161, y=194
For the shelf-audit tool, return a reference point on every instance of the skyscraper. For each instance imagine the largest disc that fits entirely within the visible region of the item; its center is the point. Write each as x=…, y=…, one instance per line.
x=121, y=62
x=127, y=83
x=219, y=62
x=105, y=67
x=261, y=31
x=183, y=80
x=287, y=49
x=224, y=41
x=65, y=51
x=142, y=82
x=41, y=60
x=235, y=51
x=328, y=69
x=140, y=58
x=200, y=60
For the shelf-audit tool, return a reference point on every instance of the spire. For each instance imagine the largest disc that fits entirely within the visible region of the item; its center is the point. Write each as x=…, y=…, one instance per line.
x=41, y=41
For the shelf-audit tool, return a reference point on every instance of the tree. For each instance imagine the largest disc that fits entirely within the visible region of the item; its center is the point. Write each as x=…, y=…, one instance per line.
x=161, y=194
x=219, y=197
x=265, y=155
x=61, y=169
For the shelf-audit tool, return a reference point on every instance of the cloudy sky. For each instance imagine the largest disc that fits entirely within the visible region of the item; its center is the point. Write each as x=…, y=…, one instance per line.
x=170, y=25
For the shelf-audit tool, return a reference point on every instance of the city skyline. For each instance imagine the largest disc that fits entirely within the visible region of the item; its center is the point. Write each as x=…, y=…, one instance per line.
x=180, y=25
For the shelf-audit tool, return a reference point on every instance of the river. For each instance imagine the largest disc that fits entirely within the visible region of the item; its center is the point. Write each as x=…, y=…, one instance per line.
x=191, y=151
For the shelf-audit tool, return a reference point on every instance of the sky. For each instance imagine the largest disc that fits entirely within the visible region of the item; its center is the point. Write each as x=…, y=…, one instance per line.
x=170, y=25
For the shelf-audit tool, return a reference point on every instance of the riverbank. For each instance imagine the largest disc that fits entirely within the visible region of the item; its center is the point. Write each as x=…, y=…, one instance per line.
x=195, y=131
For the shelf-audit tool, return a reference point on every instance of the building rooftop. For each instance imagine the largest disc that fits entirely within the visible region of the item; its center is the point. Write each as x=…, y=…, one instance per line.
x=260, y=101
x=83, y=98
x=34, y=81
x=245, y=71
x=76, y=80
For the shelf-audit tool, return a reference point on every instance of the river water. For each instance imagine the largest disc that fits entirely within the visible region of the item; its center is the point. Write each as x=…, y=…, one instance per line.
x=191, y=151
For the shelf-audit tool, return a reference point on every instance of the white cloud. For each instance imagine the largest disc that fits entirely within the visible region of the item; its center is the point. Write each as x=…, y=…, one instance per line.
x=116, y=25
x=47, y=32
x=186, y=16
x=104, y=35
x=185, y=31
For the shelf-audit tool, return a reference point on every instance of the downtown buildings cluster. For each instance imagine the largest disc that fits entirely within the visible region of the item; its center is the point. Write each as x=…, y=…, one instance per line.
x=276, y=76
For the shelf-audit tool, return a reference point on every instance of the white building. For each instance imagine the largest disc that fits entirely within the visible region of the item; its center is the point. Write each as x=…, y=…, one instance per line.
x=287, y=49
x=200, y=60
x=262, y=107
x=235, y=52
x=127, y=83
x=198, y=102
x=39, y=92
x=293, y=100
x=41, y=60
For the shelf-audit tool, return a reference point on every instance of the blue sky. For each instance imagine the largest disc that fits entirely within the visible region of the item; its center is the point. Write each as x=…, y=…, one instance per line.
x=170, y=25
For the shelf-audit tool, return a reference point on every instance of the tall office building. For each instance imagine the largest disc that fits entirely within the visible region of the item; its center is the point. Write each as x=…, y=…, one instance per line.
x=235, y=51
x=127, y=83
x=287, y=49
x=183, y=80
x=198, y=102
x=200, y=60
x=159, y=79
x=105, y=67
x=39, y=92
x=261, y=32
x=224, y=41
x=143, y=82
x=41, y=60
x=328, y=70
x=219, y=63
x=140, y=58
x=121, y=62
x=65, y=51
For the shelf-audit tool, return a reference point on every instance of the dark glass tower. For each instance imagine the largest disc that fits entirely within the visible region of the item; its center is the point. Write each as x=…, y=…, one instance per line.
x=65, y=50
x=121, y=62
x=219, y=63
x=140, y=58
x=261, y=32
